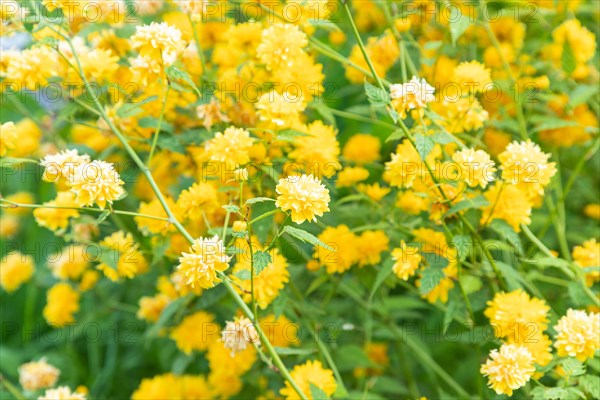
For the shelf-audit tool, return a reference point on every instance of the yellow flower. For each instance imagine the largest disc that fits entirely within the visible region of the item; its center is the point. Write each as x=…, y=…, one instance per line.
x=509, y=203
x=508, y=369
x=472, y=76
x=15, y=269
x=592, y=211
x=29, y=135
x=405, y=166
x=406, y=261
x=231, y=147
x=159, y=41
x=370, y=246
x=350, y=176
x=496, y=141
x=198, y=199
x=8, y=137
x=304, y=196
x=362, y=149
x=345, y=250
x=152, y=307
x=89, y=280
x=210, y=113
x=36, y=375
x=268, y=283
x=526, y=165
x=538, y=344
x=578, y=334
x=280, y=110
x=515, y=315
x=280, y=46
x=280, y=331
x=126, y=260
x=238, y=334
x=476, y=167
x=70, y=263
x=61, y=167
x=412, y=203
x=155, y=208
x=411, y=96
x=62, y=303
x=62, y=393
x=318, y=151
x=207, y=257
x=581, y=40
x=96, y=182
x=588, y=255
x=57, y=218
x=378, y=354
x=33, y=67
x=311, y=372
x=374, y=191
x=462, y=115
x=195, y=332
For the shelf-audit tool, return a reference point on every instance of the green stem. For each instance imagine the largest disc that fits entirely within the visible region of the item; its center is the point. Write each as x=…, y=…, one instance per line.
x=12, y=388
x=159, y=125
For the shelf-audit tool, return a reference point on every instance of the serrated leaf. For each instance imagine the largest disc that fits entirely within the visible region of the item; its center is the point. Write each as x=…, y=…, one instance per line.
x=505, y=231
x=573, y=367
x=102, y=217
x=424, y=145
x=317, y=393
x=577, y=295
x=260, y=259
x=430, y=278
x=396, y=135
x=458, y=26
x=568, y=60
x=443, y=138
x=258, y=200
x=377, y=96
x=289, y=135
x=476, y=202
x=325, y=112
x=232, y=208
x=178, y=74
x=555, y=393
x=435, y=260
x=132, y=109
x=306, y=237
x=110, y=257
x=591, y=385
x=463, y=245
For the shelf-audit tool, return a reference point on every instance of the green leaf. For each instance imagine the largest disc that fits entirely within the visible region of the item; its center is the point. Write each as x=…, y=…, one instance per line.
x=132, y=109
x=424, y=145
x=435, y=260
x=325, y=112
x=458, y=26
x=377, y=96
x=232, y=208
x=178, y=74
x=396, y=135
x=258, y=200
x=430, y=278
x=590, y=384
x=512, y=277
x=352, y=356
x=290, y=351
x=463, y=245
x=12, y=161
x=577, y=295
x=554, y=123
x=289, y=135
x=102, y=217
x=443, y=138
x=306, y=237
x=110, y=257
x=317, y=393
x=582, y=94
x=152, y=122
x=505, y=231
x=260, y=259
x=476, y=202
x=568, y=61
x=382, y=274
x=243, y=274
x=166, y=315
x=573, y=367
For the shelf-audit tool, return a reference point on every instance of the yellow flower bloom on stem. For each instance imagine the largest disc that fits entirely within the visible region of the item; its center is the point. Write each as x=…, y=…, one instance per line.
x=280, y=331
x=196, y=332
x=33, y=67
x=508, y=369
x=57, y=218
x=151, y=307
x=197, y=199
x=61, y=167
x=461, y=115
x=350, y=176
x=207, y=257
x=62, y=303
x=15, y=269
x=515, y=315
x=280, y=46
x=268, y=283
x=406, y=261
x=411, y=96
x=230, y=147
x=524, y=164
x=405, y=166
x=370, y=246
x=588, y=255
x=345, y=249
x=36, y=375
x=311, y=372
x=362, y=148
x=280, y=110
x=412, y=202
x=476, y=167
x=305, y=196
x=8, y=137
x=578, y=334
x=160, y=41
x=156, y=209
x=318, y=151
x=96, y=182
x=374, y=191
x=538, y=344
x=472, y=77
x=509, y=203
x=378, y=354
x=125, y=259
x=239, y=334
x=70, y=263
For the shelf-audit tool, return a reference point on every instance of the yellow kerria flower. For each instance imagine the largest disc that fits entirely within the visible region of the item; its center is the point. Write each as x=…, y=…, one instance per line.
x=578, y=334
x=230, y=147
x=311, y=372
x=406, y=261
x=200, y=266
x=8, y=137
x=15, y=269
x=62, y=303
x=196, y=332
x=57, y=218
x=588, y=255
x=96, y=182
x=476, y=167
x=304, y=196
x=509, y=203
x=36, y=375
x=362, y=148
x=508, y=369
